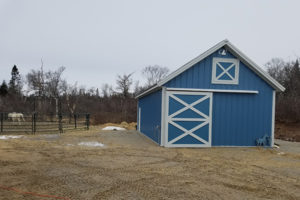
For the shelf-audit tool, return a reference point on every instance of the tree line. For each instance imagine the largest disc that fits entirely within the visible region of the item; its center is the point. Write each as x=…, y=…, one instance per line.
x=47, y=92
x=286, y=73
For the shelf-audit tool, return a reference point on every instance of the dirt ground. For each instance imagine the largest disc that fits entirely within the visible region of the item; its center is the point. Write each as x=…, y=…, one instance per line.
x=130, y=166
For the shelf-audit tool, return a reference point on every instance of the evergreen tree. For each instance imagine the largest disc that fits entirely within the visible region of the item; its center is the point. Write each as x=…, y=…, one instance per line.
x=15, y=83
x=3, y=89
x=296, y=77
x=292, y=81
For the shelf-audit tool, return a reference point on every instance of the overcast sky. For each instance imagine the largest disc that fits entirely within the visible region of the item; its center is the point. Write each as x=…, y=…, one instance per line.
x=96, y=40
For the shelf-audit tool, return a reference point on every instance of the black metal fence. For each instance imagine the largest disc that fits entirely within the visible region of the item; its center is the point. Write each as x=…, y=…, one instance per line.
x=31, y=123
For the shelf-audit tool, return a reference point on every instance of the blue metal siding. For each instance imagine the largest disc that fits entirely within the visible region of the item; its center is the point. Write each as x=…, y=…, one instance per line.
x=151, y=115
x=238, y=119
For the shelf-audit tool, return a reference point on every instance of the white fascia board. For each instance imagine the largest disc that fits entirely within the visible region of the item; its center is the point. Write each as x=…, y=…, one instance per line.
x=259, y=71
x=235, y=51
x=192, y=62
x=214, y=90
x=155, y=87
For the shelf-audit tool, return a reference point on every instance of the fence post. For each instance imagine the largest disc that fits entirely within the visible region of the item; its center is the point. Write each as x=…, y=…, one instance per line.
x=33, y=126
x=75, y=120
x=60, y=127
x=35, y=118
x=70, y=118
x=87, y=121
x=1, y=122
x=32, y=123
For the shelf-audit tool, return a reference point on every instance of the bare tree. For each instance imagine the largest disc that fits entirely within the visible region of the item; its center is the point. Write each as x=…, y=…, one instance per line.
x=154, y=74
x=124, y=83
x=36, y=81
x=275, y=68
x=288, y=74
x=106, y=90
x=46, y=85
x=72, y=95
x=53, y=82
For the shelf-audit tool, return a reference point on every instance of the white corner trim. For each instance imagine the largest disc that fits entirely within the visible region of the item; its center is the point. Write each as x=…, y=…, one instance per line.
x=210, y=114
x=214, y=90
x=217, y=64
x=273, y=118
x=139, y=117
x=163, y=116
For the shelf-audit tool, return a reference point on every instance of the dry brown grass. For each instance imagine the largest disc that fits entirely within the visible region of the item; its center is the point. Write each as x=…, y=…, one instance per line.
x=131, y=167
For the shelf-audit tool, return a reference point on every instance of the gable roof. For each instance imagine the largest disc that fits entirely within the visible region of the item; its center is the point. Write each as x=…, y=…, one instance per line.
x=235, y=51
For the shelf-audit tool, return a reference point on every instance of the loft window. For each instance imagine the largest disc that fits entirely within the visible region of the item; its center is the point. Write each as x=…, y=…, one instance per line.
x=225, y=71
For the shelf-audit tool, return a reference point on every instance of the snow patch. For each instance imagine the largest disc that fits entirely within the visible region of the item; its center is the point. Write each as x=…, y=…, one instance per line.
x=6, y=137
x=113, y=128
x=91, y=144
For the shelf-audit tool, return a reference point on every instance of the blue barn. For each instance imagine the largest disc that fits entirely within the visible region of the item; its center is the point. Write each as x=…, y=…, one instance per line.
x=220, y=98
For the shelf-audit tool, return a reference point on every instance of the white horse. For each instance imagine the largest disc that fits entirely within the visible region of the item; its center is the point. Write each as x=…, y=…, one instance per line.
x=16, y=117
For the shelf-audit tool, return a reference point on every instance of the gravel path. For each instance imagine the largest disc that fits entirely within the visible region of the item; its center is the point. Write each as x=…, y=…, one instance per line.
x=289, y=147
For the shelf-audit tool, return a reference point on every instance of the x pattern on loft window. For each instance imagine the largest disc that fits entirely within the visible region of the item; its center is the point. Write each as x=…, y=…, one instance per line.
x=225, y=71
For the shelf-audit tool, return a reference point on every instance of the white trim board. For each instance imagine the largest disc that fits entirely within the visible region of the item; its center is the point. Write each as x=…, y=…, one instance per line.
x=139, y=118
x=150, y=90
x=163, y=116
x=273, y=118
x=213, y=90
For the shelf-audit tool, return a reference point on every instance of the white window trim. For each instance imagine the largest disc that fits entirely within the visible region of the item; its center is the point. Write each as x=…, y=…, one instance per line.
x=215, y=80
